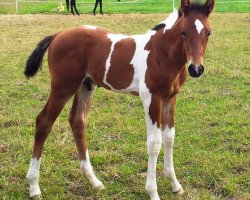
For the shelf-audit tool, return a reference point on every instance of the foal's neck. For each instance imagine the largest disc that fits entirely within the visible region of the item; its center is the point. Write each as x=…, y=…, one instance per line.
x=172, y=45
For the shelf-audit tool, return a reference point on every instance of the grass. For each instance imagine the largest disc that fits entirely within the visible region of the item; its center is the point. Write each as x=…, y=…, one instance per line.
x=112, y=6
x=212, y=146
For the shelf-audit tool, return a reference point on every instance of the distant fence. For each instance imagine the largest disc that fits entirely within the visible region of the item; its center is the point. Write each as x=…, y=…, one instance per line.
x=16, y=3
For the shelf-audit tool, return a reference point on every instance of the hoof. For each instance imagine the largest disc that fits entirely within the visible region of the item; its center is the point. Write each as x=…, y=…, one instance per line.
x=36, y=197
x=100, y=187
x=179, y=192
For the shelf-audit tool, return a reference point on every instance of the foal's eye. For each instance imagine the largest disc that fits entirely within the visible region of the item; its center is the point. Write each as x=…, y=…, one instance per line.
x=209, y=33
x=183, y=33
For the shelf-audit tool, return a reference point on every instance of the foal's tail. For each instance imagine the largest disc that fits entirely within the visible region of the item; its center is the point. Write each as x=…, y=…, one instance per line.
x=34, y=61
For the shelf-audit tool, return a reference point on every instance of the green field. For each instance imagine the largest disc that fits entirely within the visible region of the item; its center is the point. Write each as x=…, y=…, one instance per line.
x=212, y=146
x=112, y=6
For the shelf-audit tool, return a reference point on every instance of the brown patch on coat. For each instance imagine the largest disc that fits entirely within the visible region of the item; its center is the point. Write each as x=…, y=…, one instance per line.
x=155, y=109
x=165, y=75
x=121, y=72
x=163, y=72
x=99, y=56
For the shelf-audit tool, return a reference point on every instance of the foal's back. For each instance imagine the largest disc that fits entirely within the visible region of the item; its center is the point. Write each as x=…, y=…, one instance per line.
x=113, y=61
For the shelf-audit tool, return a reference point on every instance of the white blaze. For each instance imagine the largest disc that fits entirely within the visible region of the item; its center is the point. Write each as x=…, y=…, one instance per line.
x=199, y=26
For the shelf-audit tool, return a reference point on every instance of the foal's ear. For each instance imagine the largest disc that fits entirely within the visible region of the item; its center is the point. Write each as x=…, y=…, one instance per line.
x=185, y=5
x=209, y=5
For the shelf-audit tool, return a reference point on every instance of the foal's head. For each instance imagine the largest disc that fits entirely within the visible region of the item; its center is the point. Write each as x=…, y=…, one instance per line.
x=195, y=31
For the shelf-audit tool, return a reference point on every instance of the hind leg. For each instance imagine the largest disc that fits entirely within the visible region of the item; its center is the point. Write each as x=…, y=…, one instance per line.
x=61, y=91
x=78, y=122
x=44, y=122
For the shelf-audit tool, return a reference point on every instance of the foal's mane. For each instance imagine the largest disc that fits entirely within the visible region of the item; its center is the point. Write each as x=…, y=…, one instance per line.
x=194, y=7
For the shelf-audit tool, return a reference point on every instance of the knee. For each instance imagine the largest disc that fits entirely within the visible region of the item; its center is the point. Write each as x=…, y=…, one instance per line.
x=168, y=137
x=154, y=147
x=154, y=142
x=169, y=141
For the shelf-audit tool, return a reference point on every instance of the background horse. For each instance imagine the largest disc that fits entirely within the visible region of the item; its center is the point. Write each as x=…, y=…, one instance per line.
x=151, y=65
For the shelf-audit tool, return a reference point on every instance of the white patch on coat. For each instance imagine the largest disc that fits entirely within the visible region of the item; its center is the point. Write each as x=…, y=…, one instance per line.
x=154, y=141
x=33, y=177
x=87, y=170
x=170, y=20
x=139, y=60
x=198, y=25
x=90, y=27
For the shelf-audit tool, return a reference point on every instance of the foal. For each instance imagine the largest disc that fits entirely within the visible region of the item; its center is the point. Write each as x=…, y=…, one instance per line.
x=151, y=65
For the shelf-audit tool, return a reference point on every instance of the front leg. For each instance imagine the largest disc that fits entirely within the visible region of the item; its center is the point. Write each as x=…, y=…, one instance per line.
x=152, y=107
x=168, y=133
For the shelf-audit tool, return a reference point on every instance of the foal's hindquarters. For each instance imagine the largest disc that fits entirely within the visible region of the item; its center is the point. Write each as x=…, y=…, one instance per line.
x=78, y=121
x=68, y=78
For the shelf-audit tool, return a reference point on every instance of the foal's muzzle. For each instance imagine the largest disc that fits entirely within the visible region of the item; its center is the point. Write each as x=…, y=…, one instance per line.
x=194, y=71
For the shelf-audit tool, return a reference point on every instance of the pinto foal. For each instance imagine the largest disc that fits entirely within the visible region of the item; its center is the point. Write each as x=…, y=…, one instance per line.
x=151, y=65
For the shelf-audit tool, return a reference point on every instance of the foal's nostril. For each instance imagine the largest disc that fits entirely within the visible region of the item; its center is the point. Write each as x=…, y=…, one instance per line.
x=195, y=71
x=201, y=69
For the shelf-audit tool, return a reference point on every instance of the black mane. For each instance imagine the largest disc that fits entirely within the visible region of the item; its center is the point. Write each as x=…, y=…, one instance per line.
x=158, y=27
x=194, y=7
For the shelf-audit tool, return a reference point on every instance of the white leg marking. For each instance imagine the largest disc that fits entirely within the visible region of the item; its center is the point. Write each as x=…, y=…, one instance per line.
x=139, y=61
x=199, y=26
x=168, y=140
x=154, y=140
x=33, y=177
x=87, y=170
